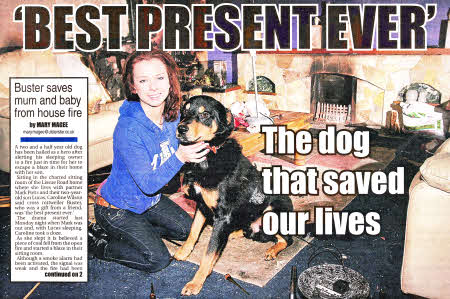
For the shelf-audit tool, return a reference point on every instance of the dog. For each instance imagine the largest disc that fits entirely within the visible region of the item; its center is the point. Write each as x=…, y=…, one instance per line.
x=226, y=187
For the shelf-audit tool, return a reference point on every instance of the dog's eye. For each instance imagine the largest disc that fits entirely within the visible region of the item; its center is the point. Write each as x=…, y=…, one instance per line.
x=204, y=115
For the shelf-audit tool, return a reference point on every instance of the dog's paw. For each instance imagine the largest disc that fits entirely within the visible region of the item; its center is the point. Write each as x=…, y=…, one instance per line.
x=183, y=252
x=271, y=253
x=191, y=288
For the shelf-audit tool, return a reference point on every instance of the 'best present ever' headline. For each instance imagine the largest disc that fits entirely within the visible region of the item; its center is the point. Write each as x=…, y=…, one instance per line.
x=228, y=27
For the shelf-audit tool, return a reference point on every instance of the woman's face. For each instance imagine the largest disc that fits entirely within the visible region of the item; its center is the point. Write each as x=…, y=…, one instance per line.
x=151, y=82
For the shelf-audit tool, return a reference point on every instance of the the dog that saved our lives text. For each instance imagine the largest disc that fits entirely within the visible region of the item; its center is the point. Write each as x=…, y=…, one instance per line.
x=277, y=180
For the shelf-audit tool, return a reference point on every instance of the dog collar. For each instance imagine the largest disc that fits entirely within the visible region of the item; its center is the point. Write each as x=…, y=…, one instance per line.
x=213, y=148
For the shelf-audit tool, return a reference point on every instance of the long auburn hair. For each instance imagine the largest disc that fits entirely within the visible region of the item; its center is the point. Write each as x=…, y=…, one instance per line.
x=173, y=101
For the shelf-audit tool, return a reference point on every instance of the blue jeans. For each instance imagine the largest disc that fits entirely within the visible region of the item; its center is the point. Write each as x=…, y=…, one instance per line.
x=136, y=239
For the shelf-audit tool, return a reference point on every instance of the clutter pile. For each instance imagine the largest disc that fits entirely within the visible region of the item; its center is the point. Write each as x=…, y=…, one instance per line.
x=251, y=114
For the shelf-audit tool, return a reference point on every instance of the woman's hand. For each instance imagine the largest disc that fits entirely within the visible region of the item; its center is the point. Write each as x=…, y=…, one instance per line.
x=194, y=153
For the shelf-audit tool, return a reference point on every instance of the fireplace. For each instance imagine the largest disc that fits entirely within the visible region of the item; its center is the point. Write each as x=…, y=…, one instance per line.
x=333, y=98
x=376, y=80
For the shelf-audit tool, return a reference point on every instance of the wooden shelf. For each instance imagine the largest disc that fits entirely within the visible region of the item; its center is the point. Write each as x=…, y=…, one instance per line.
x=227, y=88
x=260, y=92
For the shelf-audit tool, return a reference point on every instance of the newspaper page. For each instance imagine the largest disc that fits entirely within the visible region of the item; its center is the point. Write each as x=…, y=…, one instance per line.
x=316, y=91
x=49, y=179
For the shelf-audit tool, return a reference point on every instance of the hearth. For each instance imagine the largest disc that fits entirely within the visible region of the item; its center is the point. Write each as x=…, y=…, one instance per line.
x=333, y=98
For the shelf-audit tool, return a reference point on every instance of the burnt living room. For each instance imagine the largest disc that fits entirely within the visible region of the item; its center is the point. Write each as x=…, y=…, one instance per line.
x=358, y=140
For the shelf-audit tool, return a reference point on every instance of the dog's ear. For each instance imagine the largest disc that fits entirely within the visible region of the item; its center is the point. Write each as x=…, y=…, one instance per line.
x=230, y=120
x=226, y=127
x=183, y=105
x=184, y=99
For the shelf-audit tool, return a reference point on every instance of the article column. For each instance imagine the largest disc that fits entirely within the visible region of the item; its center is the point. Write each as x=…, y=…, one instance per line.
x=49, y=179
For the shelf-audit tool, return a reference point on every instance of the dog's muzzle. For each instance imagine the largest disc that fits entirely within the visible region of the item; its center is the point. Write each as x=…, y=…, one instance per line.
x=181, y=133
x=182, y=129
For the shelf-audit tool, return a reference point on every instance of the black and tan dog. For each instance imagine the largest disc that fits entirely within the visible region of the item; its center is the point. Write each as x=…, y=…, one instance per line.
x=227, y=188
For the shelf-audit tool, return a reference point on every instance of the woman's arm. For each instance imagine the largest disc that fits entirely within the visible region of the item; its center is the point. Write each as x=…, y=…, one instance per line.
x=138, y=161
x=138, y=158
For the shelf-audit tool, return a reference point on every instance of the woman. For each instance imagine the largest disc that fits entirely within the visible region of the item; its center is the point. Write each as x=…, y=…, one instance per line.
x=147, y=156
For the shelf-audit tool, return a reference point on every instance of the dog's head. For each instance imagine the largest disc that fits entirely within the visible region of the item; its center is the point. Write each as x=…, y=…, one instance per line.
x=204, y=119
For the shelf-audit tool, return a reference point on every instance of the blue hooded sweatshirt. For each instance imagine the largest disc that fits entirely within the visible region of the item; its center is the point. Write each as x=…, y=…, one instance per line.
x=144, y=160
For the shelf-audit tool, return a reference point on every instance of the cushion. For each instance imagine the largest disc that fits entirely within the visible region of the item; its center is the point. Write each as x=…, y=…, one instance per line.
x=32, y=63
x=436, y=171
x=26, y=64
x=4, y=91
x=101, y=126
x=4, y=144
x=444, y=147
x=114, y=106
x=4, y=107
